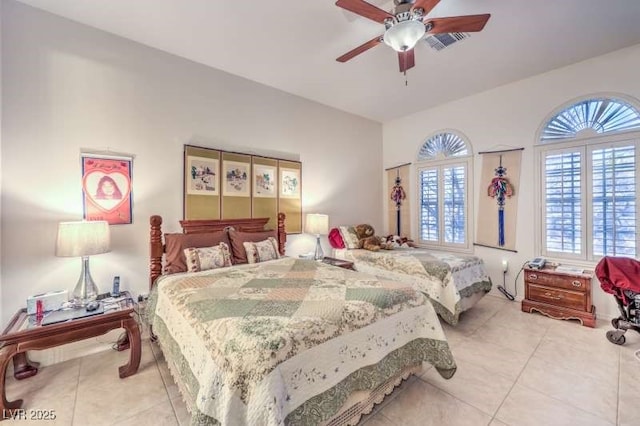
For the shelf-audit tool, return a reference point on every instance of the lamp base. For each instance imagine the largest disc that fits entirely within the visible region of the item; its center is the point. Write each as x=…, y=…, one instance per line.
x=319, y=254
x=85, y=290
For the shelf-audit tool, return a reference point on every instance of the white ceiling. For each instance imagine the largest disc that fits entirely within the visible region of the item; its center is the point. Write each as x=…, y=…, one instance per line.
x=292, y=45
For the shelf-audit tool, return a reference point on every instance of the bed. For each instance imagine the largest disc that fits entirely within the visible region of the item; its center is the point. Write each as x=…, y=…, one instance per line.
x=453, y=282
x=286, y=341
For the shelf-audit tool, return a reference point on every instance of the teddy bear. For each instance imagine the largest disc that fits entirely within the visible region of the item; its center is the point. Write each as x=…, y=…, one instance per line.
x=368, y=240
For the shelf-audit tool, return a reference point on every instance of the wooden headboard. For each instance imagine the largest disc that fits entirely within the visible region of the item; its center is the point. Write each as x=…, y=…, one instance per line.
x=208, y=225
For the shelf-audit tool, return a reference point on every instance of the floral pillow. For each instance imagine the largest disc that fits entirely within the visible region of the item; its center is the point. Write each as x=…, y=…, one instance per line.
x=262, y=250
x=349, y=236
x=204, y=258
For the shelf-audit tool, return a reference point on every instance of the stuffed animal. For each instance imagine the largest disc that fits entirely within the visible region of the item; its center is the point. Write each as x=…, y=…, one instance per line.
x=398, y=241
x=368, y=241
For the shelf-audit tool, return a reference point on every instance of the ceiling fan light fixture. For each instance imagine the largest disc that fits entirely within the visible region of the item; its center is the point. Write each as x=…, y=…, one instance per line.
x=404, y=35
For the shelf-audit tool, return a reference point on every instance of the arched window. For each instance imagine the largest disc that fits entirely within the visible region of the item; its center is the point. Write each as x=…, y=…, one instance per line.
x=590, y=117
x=588, y=154
x=444, y=163
x=443, y=145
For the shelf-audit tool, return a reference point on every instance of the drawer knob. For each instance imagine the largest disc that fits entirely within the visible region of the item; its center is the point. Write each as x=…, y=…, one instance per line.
x=551, y=296
x=533, y=276
x=576, y=283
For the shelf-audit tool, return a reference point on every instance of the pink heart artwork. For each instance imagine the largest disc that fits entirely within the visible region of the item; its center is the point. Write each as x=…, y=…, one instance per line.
x=106, y=190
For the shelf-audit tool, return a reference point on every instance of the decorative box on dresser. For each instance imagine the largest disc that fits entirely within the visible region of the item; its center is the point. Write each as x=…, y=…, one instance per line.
x=559, y=295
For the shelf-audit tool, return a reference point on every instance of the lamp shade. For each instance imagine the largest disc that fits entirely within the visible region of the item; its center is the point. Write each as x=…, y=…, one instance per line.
x=404, y=35
x=317, y=224
x=77, y=239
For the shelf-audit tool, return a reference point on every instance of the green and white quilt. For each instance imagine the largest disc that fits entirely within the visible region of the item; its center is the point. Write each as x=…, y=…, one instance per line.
x=445, y=277
x=287, y=341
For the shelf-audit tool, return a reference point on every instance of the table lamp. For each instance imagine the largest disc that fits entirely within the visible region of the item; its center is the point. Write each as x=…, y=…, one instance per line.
x=317, y=224
x=83, y=239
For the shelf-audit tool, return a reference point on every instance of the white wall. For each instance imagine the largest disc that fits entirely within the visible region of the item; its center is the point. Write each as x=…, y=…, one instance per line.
x=68, y=86
x=511, y=115
x=1, y=317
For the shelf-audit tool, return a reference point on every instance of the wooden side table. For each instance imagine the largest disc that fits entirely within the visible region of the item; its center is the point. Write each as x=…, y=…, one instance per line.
x=559, y=295
x=24, y=333
x=340, y=263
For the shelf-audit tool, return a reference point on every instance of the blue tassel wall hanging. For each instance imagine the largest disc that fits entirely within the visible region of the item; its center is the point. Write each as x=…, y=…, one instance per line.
x=499, y=189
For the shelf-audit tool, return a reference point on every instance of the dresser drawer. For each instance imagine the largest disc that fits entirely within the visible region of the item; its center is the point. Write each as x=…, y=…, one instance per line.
x=553, y=296
x=558, y=281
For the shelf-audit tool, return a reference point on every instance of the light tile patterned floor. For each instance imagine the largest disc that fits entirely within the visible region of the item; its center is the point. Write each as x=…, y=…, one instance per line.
x=513, y=369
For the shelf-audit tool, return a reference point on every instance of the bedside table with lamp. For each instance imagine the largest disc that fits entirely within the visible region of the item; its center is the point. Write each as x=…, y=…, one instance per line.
x=86, y=318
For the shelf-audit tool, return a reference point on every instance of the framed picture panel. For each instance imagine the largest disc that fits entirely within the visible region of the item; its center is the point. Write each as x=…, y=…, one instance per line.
x=203, y=175
x=290, y=194
x=201, y=183
x=236, y=178
x=265, y=189
x=230, y=185
x=236, y=185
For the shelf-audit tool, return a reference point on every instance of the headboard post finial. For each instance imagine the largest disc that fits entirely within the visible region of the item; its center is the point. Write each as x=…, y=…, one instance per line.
x=156, y=249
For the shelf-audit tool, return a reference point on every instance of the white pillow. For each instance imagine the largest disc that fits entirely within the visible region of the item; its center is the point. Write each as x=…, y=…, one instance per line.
x=262, y=251
x=204, y=258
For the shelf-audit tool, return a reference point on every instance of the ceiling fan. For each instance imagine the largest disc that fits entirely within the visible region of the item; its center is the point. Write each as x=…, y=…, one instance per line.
x=406, y=25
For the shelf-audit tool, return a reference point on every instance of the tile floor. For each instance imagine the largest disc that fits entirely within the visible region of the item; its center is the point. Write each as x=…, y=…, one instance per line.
x=513, y=369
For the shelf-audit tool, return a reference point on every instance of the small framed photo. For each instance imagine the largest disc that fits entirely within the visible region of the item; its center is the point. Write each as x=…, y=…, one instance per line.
x=264, y=181
x=202, y=176
x=289, y=183
x=235, y=179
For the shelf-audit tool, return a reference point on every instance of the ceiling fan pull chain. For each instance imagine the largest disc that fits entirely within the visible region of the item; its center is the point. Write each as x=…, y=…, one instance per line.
x=406, y=83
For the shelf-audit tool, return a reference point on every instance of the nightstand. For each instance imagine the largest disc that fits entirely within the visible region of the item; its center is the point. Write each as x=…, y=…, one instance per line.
x=24, y=333
x=559, y=295
x=340, y=263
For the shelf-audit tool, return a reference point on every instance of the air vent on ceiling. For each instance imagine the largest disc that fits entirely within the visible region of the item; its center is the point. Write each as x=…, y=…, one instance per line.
x=441, y=41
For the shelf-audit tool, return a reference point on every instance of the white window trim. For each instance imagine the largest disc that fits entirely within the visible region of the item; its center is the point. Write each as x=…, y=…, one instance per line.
x=466, y=162
x=586, y=145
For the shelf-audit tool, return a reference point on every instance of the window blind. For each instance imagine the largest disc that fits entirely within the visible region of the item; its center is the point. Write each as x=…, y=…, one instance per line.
x=429, y=209
x=563, y=195
x=454, y=204
x=614, y=201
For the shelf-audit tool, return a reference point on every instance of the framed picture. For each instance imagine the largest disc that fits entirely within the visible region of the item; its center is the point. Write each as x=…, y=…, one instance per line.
x=264, y=181
x=106, y=188
x=289, y=183
x=235, y=179
x=202, y=175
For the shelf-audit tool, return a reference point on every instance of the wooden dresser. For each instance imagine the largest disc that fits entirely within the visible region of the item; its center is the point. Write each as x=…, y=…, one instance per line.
x=559, y=295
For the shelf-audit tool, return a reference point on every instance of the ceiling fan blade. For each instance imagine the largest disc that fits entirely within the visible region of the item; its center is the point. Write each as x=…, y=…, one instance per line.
x=427, y=5
x=362, y=8
x=358, y=50
x=458, y=24
x=406, y=60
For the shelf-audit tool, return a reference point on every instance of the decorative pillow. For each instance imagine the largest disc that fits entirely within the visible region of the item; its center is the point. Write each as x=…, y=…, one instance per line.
x=349, y=236
x=204, y=258
x=238, y=238
x=335, y=239
x=175, y=244
x=262, y=250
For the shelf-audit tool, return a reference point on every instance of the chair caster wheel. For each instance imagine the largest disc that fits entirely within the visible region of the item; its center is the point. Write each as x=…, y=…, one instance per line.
x=616, y=337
